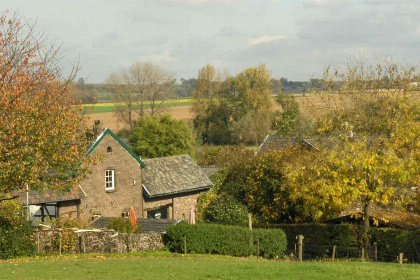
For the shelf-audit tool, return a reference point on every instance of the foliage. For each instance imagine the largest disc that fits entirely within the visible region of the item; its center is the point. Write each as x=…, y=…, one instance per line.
x=203, y=201
x=140, y=83
x=66, y=239
x=40, y=129
x=67, y=222
x=224, y=240
x=289, y=121
x=226, y=210
x=161, y=136
x=122, y=225
x=15, y=231
x=371, y=137
x=391, y=242
x=186, y=87
x=234, y=109
x=259, y=183
x=322, y=235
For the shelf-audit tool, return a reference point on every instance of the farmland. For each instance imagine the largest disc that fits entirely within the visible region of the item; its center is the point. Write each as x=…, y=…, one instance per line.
x=164, y=265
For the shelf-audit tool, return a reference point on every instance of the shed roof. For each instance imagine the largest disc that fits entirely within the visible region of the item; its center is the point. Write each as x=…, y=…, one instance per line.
x=171, y=175
x=277, y=142
x=50, y=196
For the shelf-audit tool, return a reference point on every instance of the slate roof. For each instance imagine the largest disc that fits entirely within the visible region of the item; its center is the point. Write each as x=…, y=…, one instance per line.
x=49, y=196
x=146, y=225
x=276, y=142
x=171, y=175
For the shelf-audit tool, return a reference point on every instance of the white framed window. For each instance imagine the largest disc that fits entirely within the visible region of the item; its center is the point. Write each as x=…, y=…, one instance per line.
x=109, y=180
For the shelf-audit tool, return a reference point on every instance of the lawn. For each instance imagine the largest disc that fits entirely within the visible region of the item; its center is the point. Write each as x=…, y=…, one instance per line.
x=164, y=265
x=110, y=107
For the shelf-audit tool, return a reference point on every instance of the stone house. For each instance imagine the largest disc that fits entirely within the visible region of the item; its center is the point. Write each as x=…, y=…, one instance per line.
x=156, y=188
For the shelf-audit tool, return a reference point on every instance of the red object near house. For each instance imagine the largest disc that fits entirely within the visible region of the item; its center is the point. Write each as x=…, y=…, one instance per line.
x=132, y=217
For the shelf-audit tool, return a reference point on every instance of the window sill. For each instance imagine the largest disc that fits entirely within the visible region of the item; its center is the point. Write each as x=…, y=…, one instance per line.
x=110, y=191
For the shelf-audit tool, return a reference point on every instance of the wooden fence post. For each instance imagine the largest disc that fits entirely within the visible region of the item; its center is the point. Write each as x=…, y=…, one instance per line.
x=375, y=251
x=363, y=254
x=300, y=248
x=37, y=242
x=258, y=248
x=59, y=246
x=185, y=244
x=400, y=258
x=333, y=253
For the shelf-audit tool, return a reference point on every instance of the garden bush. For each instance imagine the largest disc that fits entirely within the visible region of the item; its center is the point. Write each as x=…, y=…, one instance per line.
x=122, y=225
x=15, y=231
x=226, y=210
x=225, y=240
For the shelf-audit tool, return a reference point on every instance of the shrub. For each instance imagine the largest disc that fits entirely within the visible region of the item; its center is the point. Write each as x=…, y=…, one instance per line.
x=15, y=231
x=224, y=240
x=392, y=241
x=225, y=209
x=122, y=225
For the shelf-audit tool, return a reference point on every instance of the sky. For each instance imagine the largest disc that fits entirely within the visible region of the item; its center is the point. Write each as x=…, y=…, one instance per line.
x=296, y=39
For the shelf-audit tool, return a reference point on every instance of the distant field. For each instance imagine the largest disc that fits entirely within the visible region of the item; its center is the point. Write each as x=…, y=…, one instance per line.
x=110, y=107
x=164, y=265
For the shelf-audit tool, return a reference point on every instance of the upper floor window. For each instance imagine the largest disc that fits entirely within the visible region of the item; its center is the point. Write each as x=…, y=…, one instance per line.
x=109, y=180
x=109, y=150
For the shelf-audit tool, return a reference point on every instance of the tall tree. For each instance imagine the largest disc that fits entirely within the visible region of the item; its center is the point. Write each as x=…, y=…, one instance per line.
x=42, y=139
x=140, y=89
x=370, y=126
x=237, y=109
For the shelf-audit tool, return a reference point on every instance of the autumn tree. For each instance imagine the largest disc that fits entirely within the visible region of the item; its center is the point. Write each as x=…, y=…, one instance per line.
x=42, y=139
x=369, y=134
x=141, y=89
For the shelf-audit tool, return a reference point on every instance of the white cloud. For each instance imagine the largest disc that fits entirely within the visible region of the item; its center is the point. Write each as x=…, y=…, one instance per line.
x=264, y=39
x=158, y=57
x=321, y=3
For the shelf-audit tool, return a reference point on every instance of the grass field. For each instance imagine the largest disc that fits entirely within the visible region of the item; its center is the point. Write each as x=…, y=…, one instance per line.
x=164, y=265
x=110, y=107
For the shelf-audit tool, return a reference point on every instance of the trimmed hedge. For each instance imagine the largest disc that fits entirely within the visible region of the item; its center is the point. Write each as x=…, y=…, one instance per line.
x=343, y=235
x=225, y=240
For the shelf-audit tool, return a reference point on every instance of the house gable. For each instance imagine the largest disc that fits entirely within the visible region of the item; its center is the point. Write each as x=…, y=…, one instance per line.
x=106, y=132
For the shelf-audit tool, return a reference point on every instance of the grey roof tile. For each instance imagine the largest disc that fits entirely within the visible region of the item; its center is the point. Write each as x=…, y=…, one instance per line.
x=176, y=174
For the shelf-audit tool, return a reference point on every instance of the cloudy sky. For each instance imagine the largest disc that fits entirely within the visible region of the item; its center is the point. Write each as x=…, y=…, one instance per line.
x=295, y=38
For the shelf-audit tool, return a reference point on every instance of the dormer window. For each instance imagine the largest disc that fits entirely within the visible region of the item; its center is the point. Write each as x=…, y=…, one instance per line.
x=109, y=150
x=109, y=180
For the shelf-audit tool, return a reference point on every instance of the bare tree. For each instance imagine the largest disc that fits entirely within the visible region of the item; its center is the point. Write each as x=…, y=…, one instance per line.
x=142, y=88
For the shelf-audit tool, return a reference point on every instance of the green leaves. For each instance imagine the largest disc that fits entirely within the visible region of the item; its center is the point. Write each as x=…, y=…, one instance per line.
x=161, y=136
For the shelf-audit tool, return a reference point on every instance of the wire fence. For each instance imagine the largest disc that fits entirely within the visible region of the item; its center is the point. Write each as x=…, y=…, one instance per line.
x=337, y=253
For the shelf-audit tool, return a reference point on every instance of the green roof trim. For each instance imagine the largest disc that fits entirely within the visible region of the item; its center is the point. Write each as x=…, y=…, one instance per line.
x=105, y=133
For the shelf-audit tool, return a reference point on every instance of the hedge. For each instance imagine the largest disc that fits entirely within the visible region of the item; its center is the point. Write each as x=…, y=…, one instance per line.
x=225, y=240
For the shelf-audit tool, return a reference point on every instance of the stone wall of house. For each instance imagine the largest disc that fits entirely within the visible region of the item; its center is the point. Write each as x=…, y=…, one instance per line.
x=182, y=204
x=68, y=209
x=127, y=175
x=110, y=241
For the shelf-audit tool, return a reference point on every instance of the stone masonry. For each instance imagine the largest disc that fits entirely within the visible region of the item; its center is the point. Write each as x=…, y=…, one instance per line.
x=109, y=241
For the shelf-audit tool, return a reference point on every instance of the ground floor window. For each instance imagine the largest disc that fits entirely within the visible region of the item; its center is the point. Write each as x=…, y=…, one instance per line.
x=161, y=213
x=44, y=212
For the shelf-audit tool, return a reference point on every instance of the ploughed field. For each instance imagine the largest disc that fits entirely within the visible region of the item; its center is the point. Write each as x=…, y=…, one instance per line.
x=165, y=265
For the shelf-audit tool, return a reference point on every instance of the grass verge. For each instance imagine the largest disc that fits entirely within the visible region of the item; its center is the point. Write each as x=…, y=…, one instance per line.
x=165, y=265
